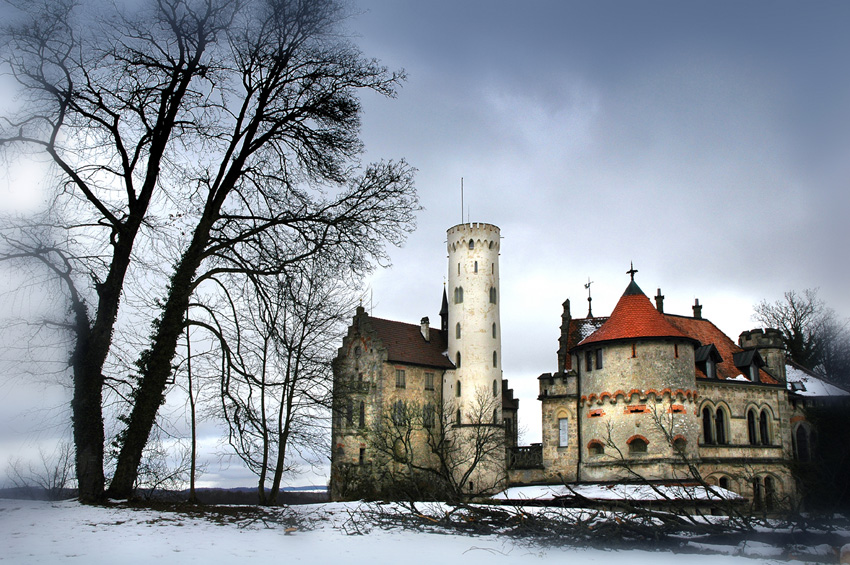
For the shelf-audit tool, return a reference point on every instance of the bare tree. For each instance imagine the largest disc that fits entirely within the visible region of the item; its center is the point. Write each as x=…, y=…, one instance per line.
x=276, y=400
x=436, y=455
x=206, y=127
x=813, y=335
x=53, y=475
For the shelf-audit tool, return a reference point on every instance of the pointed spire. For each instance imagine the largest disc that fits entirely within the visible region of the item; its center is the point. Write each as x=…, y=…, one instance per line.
x=589, y=299
x=444, y=311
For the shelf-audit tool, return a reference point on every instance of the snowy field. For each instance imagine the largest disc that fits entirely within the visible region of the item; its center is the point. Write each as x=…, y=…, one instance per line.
x=67, y=532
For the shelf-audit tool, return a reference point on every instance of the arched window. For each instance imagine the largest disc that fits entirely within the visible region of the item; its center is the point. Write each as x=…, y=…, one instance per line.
x=679, y=444
x=803, y=443
x=758, y=493
x=495, y=415
x=595, y=447
x=457, y=330
x=458, y=294
x=495, y=388
x=476, y=267
x=707, y=436
x=720, y=426
x=764, y=428
x=362, y=419
x=457, y=417
x=752, y=429
x=637, y=445
x=457, y=360
x=724, y=483
x=494, y=330
x=471, y=244
x=492, y=295
x=457, y=389
x=769, y=493
x=495, y=359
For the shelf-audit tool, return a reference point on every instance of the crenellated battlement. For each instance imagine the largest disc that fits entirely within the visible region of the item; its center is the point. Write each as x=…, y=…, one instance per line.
x=486, y=236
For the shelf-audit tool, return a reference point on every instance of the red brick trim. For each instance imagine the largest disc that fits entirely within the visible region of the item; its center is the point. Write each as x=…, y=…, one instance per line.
x=593, y=442
x=637, y=436
x=596, y=413
x=636, y=409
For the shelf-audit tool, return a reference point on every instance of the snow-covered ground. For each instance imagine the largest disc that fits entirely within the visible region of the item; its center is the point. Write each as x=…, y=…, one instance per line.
x=67, y=532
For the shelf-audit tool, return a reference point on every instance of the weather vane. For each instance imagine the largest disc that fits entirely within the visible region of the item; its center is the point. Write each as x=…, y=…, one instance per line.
x=589, y=299
x=632, y=271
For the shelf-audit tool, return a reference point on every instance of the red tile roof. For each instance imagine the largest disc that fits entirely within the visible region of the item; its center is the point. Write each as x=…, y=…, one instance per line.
x=634, y=316
x=706, y=332
x=405, y=344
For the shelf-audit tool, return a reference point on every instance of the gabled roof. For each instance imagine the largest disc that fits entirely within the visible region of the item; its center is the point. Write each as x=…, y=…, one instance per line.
x=405, y=344
x=634, y=317
x=707, y=333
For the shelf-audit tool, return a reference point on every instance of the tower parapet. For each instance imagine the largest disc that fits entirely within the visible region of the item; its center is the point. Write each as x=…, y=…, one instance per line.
x=768, y=342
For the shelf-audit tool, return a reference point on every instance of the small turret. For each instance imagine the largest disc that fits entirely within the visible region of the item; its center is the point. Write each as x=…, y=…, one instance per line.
x=770, y=346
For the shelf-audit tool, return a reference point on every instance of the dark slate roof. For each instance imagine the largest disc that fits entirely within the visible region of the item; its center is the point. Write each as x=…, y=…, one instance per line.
x=633, y=317
x=703, y=351
x=405, y=344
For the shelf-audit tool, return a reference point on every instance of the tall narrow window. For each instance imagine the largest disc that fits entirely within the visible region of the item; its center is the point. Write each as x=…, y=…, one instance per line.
x=362, y=420
x=495, y=415
x=492, y=268
x=476, y=267
x=634, y=350
x=457, y=417
x=457, y=330
x=399, y=378
x=362, y=458
x=457, y=389
x=720, y=426
x=495, y=360
x=471, y=244
x=588, y=361
x=563, y=432
x=458, y=268
x=495, y=388
x=707, y=436
x=676, y=350
x=598, y=358
x=769, y=493
x=494, y=330
x=429, y=381
x=492, y=295
x=349, y=413
x=457, y=360
x=428, y=416
x=764, y=429
x=752, y=429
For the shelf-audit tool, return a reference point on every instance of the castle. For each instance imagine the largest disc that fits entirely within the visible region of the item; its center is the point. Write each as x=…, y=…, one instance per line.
x=638, y=395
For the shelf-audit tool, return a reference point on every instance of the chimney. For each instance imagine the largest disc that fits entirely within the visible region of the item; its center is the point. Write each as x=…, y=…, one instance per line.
x=424, y=327
x=659, y=301
x=697, y=309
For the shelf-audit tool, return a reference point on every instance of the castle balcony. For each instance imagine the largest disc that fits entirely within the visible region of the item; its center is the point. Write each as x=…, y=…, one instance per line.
x=526, y=457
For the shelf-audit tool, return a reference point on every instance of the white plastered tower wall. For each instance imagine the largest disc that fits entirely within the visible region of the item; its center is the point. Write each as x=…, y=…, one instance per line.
x=475, y=334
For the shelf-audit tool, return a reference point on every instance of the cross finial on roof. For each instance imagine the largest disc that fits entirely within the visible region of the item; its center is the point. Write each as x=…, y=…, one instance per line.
x=632, y=271
x=589, y=299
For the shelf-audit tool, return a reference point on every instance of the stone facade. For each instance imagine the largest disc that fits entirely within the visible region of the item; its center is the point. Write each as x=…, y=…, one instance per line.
x=637, y=395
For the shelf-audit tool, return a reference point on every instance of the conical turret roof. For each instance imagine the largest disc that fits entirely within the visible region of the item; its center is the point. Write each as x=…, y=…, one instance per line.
x=633, y=317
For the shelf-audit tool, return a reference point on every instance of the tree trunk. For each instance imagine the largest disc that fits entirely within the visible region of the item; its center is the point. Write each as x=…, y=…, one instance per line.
x=155, y=363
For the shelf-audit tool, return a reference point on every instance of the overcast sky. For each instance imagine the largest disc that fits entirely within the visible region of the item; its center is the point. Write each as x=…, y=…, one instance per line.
x=708, y=142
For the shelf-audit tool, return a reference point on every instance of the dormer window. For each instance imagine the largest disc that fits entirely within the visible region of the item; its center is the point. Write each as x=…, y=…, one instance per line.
x=706, y=358
x=749, y=362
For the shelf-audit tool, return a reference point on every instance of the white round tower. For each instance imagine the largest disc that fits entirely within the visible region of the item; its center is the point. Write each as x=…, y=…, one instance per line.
x=474, y=328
